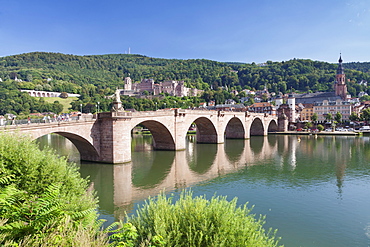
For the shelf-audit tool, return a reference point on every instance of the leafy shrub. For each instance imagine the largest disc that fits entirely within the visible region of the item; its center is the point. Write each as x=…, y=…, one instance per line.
x=39, y=189
x=199, y=222
x=65, y=233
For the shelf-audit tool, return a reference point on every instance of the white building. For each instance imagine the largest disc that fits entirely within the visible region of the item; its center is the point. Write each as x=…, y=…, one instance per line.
x=326, y=106
x=34, y=93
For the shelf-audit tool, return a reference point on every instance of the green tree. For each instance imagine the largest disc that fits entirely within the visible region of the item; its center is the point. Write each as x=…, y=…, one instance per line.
x=250, y=101
x=338, y=117
x=57, y=107
x=308, y=125
x=242, y=94
x=314, y=117
x=329, y=117
x=354, y=117
x=365, y=98
x=264, y=98
x=365, y=115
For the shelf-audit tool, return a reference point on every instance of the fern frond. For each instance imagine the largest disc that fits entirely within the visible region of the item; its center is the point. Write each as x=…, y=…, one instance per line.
x=6, y=179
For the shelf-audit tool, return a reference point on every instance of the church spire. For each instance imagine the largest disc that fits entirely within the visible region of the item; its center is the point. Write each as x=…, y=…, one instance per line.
x=340, y=70
x=340, y=84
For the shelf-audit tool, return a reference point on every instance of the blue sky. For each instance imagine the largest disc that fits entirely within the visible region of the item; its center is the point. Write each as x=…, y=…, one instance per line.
x=233, y=30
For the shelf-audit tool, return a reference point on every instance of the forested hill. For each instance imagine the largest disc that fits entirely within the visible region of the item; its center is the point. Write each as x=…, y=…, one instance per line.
x=364, y=67
x=72, y=73
x=109, y=70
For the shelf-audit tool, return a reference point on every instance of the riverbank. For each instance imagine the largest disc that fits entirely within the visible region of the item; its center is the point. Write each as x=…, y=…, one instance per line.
x=326, y=133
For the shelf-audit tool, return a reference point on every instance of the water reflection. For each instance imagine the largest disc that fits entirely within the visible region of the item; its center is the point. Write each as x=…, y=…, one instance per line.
x=197, y=161
x=325, y=177
x=234, y=149
x=153, y=167
x=152, y=171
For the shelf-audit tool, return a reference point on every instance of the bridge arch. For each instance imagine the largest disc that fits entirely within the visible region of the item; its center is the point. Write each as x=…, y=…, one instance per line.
x=85, y=148
x=162, y=137
x=235, y=129
x=206, y=131
x=257, y=128
x=272, y=127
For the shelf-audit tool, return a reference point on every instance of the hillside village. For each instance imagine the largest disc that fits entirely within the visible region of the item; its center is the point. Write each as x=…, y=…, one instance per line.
x=298, y=108
x=301, y=107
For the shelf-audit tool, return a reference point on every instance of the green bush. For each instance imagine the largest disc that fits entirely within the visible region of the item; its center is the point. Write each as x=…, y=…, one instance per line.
x=39, y=189
x=199, y=222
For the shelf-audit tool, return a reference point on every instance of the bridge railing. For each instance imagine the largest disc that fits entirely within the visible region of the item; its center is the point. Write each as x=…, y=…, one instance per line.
x=136, y=114
x=176, y=112
x=83, y=118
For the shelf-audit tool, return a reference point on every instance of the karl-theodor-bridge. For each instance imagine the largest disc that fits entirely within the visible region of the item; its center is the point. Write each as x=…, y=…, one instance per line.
x=108, y=138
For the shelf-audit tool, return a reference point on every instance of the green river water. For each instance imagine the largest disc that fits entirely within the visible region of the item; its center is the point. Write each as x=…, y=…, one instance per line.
x=314, y=190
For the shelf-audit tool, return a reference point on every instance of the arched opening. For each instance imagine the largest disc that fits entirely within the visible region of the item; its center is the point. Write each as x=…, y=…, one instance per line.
x=205, y=131
x=235, y=129
x=272, y=127
x=162, y=138
x=85, y=148
x=70, y=145
x=60, y=144
x=257, y=128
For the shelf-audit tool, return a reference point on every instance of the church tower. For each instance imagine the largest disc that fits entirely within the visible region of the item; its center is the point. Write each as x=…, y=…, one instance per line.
x=340, y=81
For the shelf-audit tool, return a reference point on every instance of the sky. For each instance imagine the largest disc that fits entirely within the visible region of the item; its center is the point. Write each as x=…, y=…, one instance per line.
x=227, y=31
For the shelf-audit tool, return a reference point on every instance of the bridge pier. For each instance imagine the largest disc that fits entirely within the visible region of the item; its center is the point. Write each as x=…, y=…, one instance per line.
x=115, y=140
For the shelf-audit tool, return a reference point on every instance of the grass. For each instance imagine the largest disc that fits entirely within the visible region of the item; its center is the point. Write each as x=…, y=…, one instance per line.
x=65, y=102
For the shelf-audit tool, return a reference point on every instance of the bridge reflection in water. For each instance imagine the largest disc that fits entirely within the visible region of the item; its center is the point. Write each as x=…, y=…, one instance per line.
x=119, y=186
x=282, y=175
x=151, y=172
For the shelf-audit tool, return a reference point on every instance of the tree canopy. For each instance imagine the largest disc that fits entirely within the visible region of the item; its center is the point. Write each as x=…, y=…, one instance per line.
x=96, y=76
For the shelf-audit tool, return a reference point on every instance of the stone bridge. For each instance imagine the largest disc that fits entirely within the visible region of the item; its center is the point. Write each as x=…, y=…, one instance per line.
x=107, y=139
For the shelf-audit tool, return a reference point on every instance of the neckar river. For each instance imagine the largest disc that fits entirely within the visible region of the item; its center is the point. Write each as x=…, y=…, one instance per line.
x=314, y=190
